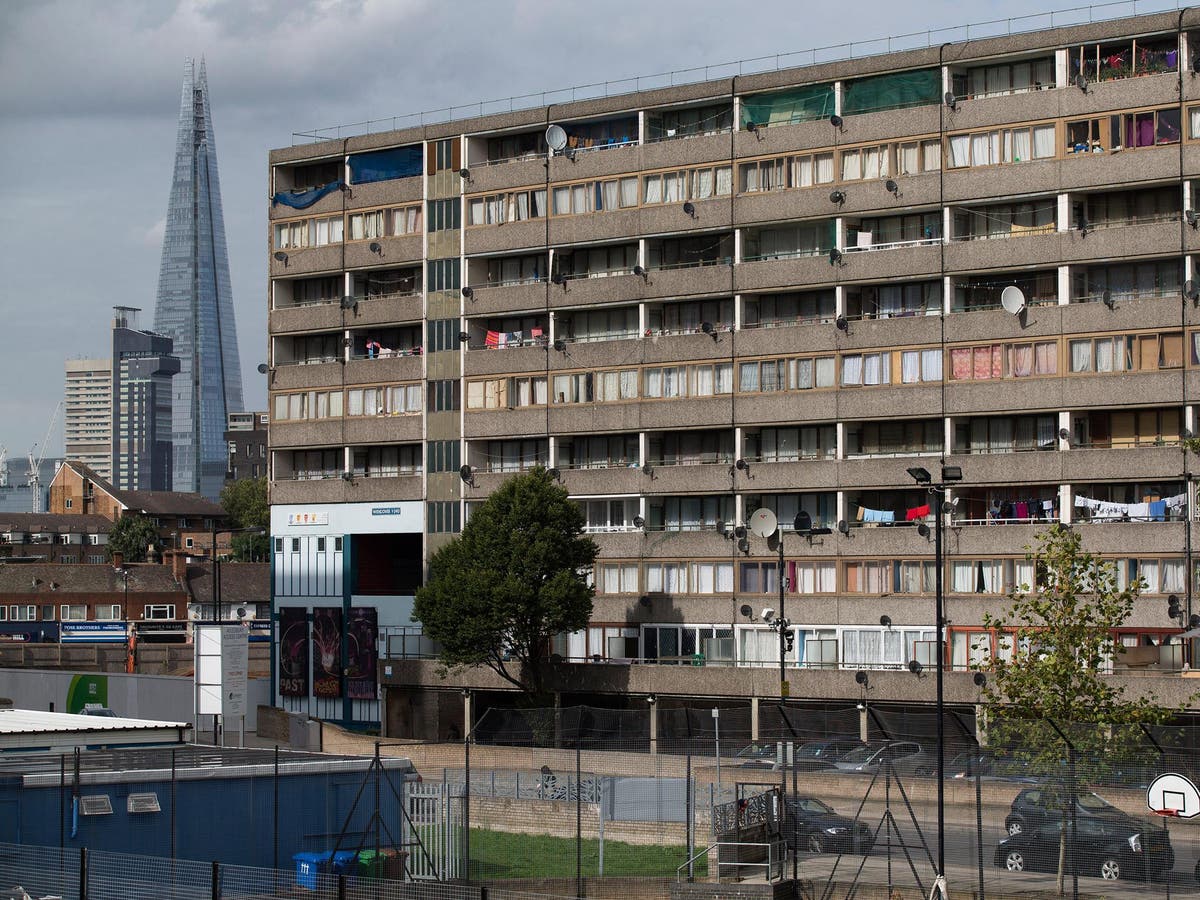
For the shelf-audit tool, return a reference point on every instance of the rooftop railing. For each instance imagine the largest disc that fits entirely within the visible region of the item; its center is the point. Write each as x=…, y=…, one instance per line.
x=915, y=40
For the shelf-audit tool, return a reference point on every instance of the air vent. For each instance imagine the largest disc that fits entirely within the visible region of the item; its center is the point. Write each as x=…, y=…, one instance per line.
x=142, y=803
x=95, y=805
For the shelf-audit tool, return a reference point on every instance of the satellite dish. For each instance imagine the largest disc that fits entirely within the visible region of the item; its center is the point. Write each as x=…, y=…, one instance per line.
x=802, y=522
x=746, y=611
x=349, y=302
x=556, y=138
x=1012, y=298
x=763, y=522
x=262, y=369
x=465, y=473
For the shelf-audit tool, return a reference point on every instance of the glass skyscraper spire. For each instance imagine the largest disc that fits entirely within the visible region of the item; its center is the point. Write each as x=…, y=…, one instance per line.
x=195, y=303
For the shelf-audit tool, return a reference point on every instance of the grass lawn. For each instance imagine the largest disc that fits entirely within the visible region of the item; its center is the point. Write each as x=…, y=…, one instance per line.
x=498, y=854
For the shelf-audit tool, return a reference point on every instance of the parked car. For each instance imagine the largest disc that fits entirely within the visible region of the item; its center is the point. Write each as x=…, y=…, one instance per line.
x=1108, y=848
x=104, y=711
x=757, y=756
x=814, y=826
x=1037, y=806
x=817, y=755
x=906, y=757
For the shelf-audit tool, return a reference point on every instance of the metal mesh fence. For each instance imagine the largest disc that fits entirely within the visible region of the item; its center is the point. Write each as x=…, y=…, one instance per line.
x=1043, y=807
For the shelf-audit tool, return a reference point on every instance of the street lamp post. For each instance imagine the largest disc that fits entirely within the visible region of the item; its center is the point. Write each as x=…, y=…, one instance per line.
x=922, y=476
x=216, y=563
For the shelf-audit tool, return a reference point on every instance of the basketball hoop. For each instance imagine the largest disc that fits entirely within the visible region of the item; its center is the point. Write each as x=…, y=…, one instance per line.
x=1173, y=795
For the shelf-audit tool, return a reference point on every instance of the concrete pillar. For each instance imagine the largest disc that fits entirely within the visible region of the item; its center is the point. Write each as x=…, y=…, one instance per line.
x=468, y=713
x=863, y=722
x=653, y=727
x=753, y=718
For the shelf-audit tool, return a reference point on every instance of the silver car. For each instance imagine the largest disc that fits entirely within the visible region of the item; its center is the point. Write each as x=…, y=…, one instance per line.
x=906, y=757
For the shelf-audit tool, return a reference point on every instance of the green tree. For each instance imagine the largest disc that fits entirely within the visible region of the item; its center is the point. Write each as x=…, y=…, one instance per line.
x=514, y=578
x=245, y=501
x=1058, y=639
x=132, y=535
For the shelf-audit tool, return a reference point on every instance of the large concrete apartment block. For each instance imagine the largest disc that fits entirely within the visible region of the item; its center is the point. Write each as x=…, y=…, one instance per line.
x=778, y=290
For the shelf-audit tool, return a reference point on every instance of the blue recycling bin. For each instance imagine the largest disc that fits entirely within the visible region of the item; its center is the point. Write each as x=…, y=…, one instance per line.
x=308, y=866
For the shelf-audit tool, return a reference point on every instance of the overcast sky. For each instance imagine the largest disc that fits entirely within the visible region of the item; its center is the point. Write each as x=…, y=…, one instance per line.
x=89, y=99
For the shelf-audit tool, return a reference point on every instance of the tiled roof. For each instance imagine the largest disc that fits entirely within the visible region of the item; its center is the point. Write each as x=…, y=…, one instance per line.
x=152, y=503
x=240, y=582
x=60, y=523
x=77, y=578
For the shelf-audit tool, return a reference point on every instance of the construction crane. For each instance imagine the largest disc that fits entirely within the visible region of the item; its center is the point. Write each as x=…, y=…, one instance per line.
x=35, y=466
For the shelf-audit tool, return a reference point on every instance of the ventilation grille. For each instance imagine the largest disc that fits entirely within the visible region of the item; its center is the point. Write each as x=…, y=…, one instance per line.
x=95, y=805
x=142, y=803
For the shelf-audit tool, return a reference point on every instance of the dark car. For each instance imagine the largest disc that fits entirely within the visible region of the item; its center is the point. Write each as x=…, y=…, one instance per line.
x=757, y=756
x=1108, y=848
x=814, y=826
x=1037, y=806
x=816, y=755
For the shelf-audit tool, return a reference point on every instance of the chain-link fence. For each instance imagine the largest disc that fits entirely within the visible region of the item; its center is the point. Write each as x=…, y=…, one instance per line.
x=847, y=803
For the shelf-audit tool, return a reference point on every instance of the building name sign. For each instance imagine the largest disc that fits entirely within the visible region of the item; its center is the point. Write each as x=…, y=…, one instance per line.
x=308, y=518
x=387, y=511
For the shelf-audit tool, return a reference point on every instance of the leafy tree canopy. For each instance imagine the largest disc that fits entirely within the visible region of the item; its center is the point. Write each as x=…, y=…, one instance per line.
x=245, y=501
x=513, y=579
x=132, y=535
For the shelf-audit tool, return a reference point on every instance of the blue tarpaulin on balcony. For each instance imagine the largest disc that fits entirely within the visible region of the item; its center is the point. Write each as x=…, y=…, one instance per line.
x=305, y=199
x=384, y=165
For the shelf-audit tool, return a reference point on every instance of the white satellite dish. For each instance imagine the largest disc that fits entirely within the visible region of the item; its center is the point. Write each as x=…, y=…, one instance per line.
x=556, y=138
x=763, y=522
x=1013, y=300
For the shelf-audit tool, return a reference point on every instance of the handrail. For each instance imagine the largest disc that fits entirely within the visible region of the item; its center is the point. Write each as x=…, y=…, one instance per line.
x=773, y=858
x=931, y=37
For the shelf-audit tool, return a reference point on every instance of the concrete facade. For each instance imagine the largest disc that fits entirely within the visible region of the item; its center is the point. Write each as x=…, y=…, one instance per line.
x=656, y=313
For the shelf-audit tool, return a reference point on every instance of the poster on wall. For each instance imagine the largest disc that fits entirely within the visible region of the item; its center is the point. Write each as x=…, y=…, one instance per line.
x=293, y=652
x=327, y=651
x=362, y=633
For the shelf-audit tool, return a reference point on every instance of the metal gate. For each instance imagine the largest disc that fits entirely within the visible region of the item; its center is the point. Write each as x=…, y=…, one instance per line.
x=433, y=830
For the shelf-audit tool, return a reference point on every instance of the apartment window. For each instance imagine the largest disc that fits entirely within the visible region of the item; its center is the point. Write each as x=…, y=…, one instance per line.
x=29, y=613
x=1006, y=220
x=443, y=456
x=1158, y=576
x=990, y=576
x=105, y=612
x=309, y=405
x=608, y=514
x=687, y=184
x=511, y=206
x=73, y=612
x=689, y=513
x=445, y=215
x=689, y=317
x=367, y=226
x=914, y=157
x=977, y=292
x=97, y=560
x=515, y=455
x=785, y=172
x=396, y=400
x=597, y=451
x=1129, y=281
x=404, y=220
x=666, y=578
x=860, y=369
x=278, y=545
x=1006, y=434
x=387, y=461
x=443, y=334
x=597, y=262
x=993, y=361
x=444, y=274
x=773, y=310
x=789, y=241
x=1149, y=128
x=894, y=438
x=758, y=578
x=1120, y=208
x=507, y=392
x=1126, y=428
x=869, y=576
x=525, y=269
x=1001, y=145
x=444, y=154
x=889, y=301
x=189, y=543
x=663, y=125
x=585, y=326
x=791, y=444
x=786, y=374
x=159, y=611
x=711, y=577
x=1127, y=352
x=337, y=545
x=291, y=235
x=689, y=448
x=443, y=516
x=616, y=578
x=443, y=395
x=320, y=545
x=861, y=163
x=1000, y=79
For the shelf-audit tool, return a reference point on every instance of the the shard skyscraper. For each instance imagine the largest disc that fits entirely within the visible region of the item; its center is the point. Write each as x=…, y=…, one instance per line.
x=195, y=304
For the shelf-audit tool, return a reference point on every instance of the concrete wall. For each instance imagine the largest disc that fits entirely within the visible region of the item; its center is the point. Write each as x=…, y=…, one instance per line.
x=160, y=697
